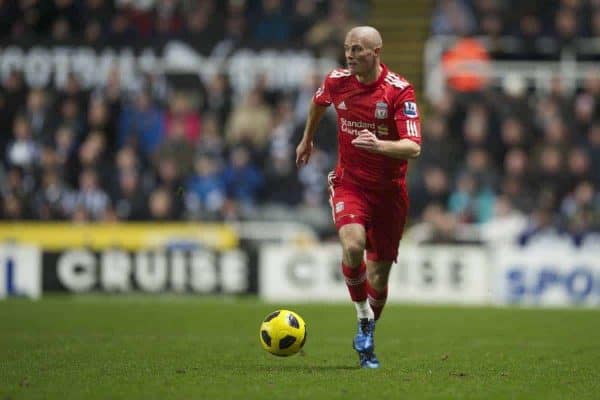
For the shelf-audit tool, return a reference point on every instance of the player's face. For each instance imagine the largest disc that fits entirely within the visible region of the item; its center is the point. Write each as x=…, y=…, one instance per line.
x=359, y=58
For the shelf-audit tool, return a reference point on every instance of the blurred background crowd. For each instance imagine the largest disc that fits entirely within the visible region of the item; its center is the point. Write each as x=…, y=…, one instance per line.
x=513, y=159
x=496, y=160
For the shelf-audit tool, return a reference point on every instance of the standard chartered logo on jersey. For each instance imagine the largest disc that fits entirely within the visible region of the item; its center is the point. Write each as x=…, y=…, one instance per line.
x=354, y=127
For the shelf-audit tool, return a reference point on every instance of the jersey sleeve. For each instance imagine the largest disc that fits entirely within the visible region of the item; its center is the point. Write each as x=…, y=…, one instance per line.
x=322, y=96
x=406, y=116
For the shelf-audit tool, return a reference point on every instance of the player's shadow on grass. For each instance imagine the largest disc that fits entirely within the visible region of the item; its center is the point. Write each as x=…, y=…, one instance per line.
x=306, y=368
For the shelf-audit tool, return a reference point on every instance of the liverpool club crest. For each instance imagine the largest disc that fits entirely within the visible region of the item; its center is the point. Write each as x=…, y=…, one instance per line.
x=381, y=110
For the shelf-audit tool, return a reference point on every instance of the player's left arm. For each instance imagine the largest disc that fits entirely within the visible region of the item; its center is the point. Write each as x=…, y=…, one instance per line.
x=408, y=124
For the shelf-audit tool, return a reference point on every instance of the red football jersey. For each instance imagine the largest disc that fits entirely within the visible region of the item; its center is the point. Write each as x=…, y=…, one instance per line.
x=386, y=107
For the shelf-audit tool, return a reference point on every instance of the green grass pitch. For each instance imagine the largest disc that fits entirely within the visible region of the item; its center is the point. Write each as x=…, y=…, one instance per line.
x=139, y=347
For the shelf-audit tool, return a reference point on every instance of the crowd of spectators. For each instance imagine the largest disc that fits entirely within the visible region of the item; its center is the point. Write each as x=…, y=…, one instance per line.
x=162, y=152
x=522, y=29
x=202, y=23
x=511, y=160
x=507, y=161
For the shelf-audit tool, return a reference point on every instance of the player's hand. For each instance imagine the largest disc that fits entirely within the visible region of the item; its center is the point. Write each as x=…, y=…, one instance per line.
x=367, y=140
x=303, y=152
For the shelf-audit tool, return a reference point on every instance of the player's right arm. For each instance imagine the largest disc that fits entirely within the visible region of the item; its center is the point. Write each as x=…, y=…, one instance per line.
x=320, y=101
x=304, y=149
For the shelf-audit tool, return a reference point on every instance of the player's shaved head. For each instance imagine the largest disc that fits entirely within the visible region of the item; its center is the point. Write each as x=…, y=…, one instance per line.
x=367, y=36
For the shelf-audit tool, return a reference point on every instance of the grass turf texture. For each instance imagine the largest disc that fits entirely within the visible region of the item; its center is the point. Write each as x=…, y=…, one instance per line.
x=96, y=347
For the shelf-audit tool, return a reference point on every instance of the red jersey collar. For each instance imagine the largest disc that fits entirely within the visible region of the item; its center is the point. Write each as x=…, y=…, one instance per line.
x=384, y=71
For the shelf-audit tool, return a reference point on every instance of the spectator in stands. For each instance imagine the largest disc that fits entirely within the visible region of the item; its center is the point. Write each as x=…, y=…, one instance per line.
x=470, y=202
x=142, y=124
x=579, y=166
x=9, y=14
x=243, y=180
x=433, y=188
x=218, y=100
x=271, y=23
x=93, y=32
x=304, y=18
x=476, y=126
x=452, y=17
x=14, y=97
x=203, y=27
x=13, y=208
x=70, y=115
x=585, y=106
x=99, y=10
x=99, y=119
x=565, y=26
x=177, y=146
x=478, y=163
x=129, y=197
x=37, y=113
x=312, y=177
x=595, y=23
x=512, y=135
x=516, y=165
x=465, y=65
x=93, y=155
x=184, y=118
x=5, y=124
x=90, y=200
x=65, y=145
x=442, y=150
x=505, y=225
x=281, y=185
x=250, y=122
x=23, y=150
x=121, y=31
x=235, y=34
x=167, y=176
x=160, y=205
x=593, y=141
x=211, y=140
x=550, y=179
x=49, y=199
x=331, y=31
x=18, y=186
x=206, y=188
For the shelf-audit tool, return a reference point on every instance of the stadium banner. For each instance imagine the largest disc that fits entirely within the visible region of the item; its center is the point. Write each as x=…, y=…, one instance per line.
x=555, y=276
x=20, y=271
x=425, y=274
x=198, y=271
x=45, y=64
x=130, y=236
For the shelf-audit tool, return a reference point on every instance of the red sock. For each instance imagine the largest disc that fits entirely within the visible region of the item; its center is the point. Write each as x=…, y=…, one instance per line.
x=377, y=300
x=356, y=281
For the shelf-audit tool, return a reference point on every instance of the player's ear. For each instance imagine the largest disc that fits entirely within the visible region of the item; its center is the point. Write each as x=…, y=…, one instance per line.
x=377, y=51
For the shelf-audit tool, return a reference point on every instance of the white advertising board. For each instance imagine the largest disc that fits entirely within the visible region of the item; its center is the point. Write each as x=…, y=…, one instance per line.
x=20, y=271
x=547, y=276
x=425, y=274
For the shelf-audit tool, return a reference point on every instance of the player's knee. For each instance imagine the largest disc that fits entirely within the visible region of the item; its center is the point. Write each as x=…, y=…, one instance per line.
x=353, y=249
x=378, y=277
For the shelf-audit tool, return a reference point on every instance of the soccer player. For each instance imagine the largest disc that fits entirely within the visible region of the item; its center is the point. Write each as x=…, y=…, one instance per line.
x=378, y=131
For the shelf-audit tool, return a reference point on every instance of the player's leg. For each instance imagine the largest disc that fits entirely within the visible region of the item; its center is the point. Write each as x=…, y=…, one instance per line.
x=378, y=273
x=348, y=208
x=384, y=234
x=348, y=211
x=383, y=238
x=353, y=240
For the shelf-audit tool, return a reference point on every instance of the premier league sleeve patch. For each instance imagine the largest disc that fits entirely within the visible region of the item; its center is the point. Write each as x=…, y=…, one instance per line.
x=410, y=109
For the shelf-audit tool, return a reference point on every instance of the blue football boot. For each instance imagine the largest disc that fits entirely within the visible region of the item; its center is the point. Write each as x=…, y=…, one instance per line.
x=364, y=343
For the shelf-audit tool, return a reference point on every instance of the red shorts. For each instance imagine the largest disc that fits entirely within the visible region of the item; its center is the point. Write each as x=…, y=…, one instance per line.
x=382, y=212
